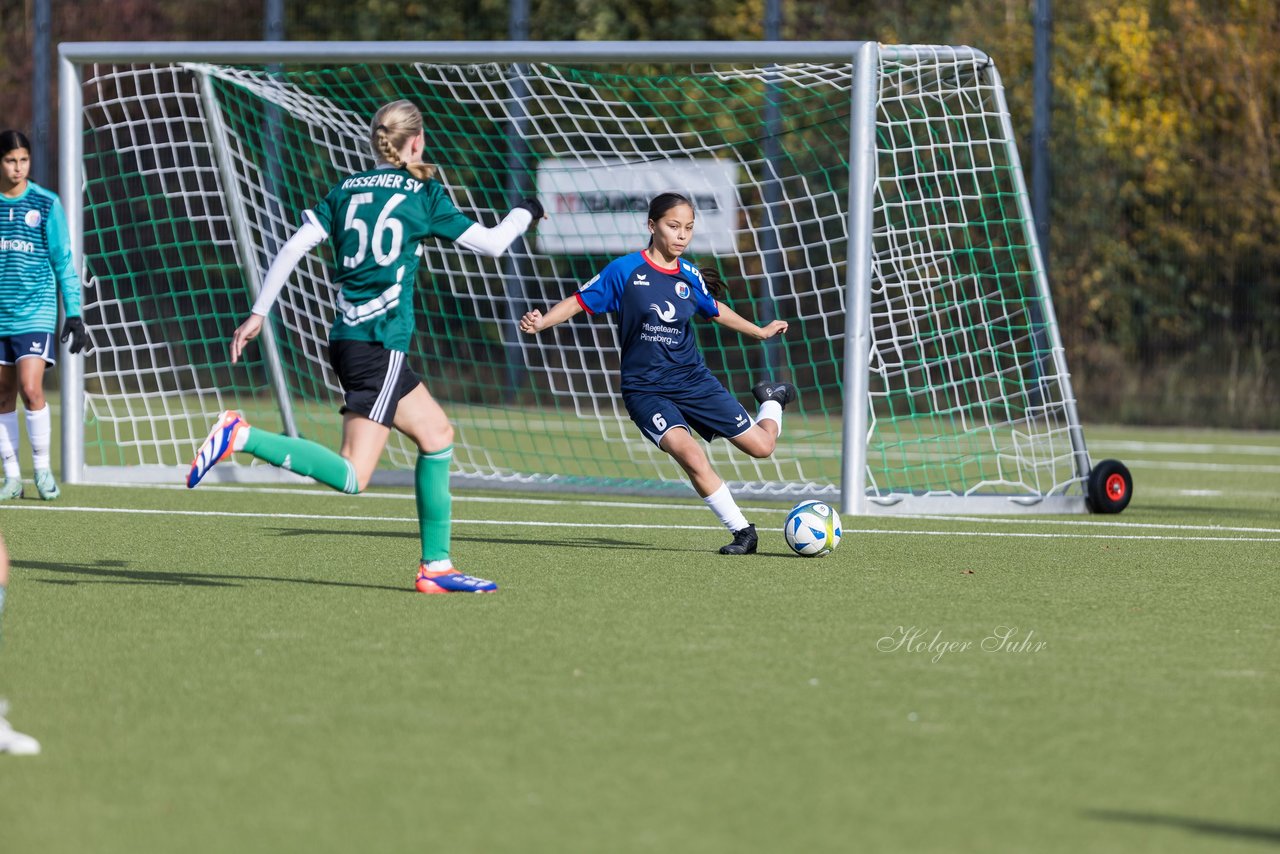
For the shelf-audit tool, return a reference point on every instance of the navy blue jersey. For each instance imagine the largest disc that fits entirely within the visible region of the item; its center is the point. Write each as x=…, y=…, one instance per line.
x=655, y=309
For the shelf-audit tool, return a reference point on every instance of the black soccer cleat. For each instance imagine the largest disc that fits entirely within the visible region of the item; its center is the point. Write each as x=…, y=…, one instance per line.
x=783, y=393
x=744, y=542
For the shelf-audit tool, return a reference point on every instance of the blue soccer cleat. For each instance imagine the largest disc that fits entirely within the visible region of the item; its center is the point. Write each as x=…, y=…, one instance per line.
x=220, y=445
x=451, y=581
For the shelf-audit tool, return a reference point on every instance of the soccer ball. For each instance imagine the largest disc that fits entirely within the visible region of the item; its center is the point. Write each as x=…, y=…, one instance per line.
x=812, y=529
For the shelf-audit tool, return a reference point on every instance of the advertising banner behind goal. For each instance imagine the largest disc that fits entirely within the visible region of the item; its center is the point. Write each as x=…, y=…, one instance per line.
x=600, y=206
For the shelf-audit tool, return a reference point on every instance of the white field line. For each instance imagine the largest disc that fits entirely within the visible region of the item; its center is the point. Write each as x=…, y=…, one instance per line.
x=1092, y=523
x=792, y=452
x=403, y=520
x=1172, y=465
x=405, y=496
x=1186, y=448
x=1207, y=493
x=1136, y=465
x=678, y=506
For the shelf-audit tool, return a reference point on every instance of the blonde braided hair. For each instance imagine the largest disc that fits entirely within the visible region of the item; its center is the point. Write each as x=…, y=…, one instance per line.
x=393, y=126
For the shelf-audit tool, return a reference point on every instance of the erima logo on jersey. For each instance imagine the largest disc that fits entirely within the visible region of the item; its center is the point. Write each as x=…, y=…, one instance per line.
x=740, y=419
x=32, y=219
x=7, y=245
x=667, y=316
x=641, y=279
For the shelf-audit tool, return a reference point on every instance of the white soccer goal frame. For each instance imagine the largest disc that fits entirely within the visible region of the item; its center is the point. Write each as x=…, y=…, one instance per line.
x=863, y=56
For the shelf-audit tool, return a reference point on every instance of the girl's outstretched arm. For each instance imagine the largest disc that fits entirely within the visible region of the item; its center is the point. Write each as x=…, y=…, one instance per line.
x=732, y=320
x=535, y=321
x=307, y=237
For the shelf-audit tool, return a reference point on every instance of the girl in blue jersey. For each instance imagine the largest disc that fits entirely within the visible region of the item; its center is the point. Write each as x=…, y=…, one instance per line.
x=666, y=386
x=375, y=221
x=35, y=268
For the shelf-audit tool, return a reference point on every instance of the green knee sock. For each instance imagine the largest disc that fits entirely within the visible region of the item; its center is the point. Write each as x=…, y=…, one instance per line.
x=435, y=505
x=304, y=457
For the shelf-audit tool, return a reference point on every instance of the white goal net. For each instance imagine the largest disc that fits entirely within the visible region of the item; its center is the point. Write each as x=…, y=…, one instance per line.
x=922, y=335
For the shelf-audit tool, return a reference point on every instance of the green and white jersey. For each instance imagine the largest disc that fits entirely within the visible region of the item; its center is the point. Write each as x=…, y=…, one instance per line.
x=376, y=220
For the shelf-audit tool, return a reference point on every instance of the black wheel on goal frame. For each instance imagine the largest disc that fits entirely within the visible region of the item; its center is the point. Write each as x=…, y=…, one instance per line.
x=1110, y=487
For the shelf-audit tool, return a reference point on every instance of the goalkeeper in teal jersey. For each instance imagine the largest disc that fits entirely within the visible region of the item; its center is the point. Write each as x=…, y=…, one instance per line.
x=375, y=221
x=35, y=267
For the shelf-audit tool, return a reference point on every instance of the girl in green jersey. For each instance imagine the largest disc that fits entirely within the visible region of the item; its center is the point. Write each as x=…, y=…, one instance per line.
x=375, y=221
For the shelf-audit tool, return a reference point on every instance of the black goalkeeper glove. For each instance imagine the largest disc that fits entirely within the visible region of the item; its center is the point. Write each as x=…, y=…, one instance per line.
x=74, y=329
x=533, y=206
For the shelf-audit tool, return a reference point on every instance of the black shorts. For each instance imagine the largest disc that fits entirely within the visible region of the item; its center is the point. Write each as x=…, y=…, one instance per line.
x=373, y=378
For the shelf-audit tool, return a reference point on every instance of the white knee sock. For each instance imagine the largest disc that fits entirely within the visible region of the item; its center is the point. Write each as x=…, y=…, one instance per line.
x=38, y=430
x=726, y=509
x=9, y=443
x=771, y=410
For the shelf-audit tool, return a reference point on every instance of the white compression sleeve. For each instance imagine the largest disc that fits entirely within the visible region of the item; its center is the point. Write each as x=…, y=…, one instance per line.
x=305, y=239
x=494, y=241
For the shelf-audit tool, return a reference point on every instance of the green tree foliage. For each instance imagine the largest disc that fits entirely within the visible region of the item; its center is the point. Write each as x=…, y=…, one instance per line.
x=107, y=20
x=1165, y=242
x=396, y=20
x=1165, y=149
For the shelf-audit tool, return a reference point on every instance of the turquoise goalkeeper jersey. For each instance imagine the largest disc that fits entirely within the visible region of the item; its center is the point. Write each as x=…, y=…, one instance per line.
x=35, y=263
x=375, y=221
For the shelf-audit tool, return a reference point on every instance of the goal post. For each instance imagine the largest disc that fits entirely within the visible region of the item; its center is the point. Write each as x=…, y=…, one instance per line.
x=871, y=195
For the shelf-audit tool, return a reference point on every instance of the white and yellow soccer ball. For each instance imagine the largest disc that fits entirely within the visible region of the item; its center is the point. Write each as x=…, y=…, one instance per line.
x=812, y=529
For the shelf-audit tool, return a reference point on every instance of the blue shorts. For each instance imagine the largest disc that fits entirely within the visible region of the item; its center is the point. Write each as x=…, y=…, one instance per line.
x=26, y=346
x=705, y=407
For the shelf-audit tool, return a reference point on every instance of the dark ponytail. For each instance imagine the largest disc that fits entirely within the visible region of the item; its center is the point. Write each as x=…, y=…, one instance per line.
x=715, y=284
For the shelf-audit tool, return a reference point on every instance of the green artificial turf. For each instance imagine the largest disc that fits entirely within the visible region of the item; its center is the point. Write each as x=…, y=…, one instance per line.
x=247, y=670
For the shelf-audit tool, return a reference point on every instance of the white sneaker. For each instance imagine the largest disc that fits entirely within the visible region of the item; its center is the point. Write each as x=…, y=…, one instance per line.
x=12, y=741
